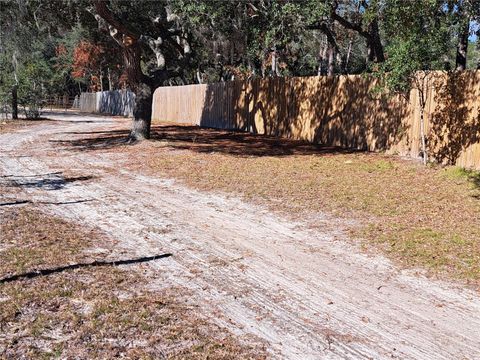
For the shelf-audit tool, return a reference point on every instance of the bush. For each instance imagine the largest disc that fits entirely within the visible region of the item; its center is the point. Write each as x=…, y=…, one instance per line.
x=32, y=91
x=32, y=100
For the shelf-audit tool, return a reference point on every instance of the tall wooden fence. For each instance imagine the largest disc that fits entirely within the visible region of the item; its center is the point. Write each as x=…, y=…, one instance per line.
x=340, y=111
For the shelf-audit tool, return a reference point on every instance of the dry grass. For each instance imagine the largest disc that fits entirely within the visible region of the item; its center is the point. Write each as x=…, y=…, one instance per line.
x=32, y=240
x=420, y=217
x=10, y=125
x=93, y=312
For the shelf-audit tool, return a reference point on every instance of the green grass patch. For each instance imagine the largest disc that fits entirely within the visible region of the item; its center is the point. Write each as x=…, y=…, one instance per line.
x=461, y=174
x=437, y=251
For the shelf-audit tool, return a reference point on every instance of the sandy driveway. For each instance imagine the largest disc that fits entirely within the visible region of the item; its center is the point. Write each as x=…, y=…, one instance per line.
x=307, y=293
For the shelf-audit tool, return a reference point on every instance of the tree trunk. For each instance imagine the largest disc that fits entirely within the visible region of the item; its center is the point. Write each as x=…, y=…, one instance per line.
x=274, y=62
x=422, y=134
x=131, y=58
x=374, y=44
x=462, y=46
x=347, y=57
x=199, y=77
x=138, y=82
x=379, y=54
x=109, y=80
x=15, y=87
x=142, y=114
x=14, y=102
x=422, y=129
x=371, y=34
x=331, y=60
x=322, y=61
x=143, y=93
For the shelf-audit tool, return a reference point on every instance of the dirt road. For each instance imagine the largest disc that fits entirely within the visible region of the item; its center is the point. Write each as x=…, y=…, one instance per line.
x=306, y=292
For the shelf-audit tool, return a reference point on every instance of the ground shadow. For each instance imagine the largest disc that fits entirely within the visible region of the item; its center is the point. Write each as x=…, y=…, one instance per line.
x=45, y=272
x=53, y=181
x=110, y=139
x=237, y=143
x=203, y=140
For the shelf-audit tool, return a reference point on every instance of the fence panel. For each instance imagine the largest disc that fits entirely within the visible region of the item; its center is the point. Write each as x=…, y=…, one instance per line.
x=338, y=111
x=116, y=102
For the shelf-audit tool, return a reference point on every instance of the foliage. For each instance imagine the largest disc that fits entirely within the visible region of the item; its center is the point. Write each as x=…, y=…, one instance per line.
x=473, y=60
x=87, y=59
x=6, y=82
x=63, y=59
x=34, y=77
x=243, y=35
x=415, y=42
x=232, y=39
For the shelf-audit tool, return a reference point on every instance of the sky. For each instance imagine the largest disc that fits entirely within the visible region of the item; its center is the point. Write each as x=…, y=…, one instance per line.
x=474, y=28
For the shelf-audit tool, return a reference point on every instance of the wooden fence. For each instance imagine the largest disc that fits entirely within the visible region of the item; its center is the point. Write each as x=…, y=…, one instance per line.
x=340, y=111
x=115, y=102
x=59, y=102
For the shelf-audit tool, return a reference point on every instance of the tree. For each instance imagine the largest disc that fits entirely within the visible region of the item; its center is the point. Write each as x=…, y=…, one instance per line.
x=170, y=42
x=29, y=30
x=14, y=34
x=155, y=48
x=416, y=48
x=34, y=77
x=462, y=13
x=87, y=64
x=363, y=18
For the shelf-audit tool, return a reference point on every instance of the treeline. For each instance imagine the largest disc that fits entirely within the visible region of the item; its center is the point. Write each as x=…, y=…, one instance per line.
x=67, y=46
x=50, y=49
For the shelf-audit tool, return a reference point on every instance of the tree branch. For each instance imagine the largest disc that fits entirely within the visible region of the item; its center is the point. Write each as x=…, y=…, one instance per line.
x=349, y=25
x=346, y=23
x=155, y=46
x=106, y=14
x=327, y=31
